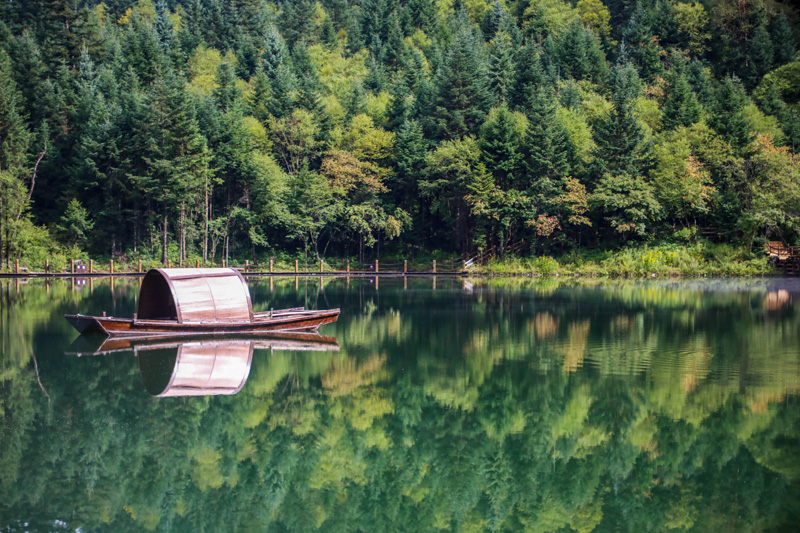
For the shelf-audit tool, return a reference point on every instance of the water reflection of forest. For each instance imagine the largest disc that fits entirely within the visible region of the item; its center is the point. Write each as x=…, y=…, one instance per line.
x=539, y=407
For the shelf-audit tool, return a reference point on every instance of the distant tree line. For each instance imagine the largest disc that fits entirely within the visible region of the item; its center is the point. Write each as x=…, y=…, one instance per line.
x=206, y=128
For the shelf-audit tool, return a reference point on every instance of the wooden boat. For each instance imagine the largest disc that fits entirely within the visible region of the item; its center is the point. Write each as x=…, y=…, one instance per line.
x=199, y=301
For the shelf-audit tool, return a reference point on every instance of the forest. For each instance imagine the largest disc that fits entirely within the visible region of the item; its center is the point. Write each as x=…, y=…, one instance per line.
x=189, y=130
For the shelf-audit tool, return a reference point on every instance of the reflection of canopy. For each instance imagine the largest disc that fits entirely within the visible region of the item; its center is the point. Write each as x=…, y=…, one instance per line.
x=197, y=368
x=192, y=295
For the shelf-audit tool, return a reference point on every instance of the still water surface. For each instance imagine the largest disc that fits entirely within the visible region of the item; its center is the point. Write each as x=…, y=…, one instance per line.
x=511, y=405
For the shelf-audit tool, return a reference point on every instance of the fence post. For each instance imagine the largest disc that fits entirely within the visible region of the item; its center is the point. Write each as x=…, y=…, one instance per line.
x=111, y=266
x=405, y=266
x=91, y=266
x=16, y=266
x=434, y=266
x=139, y=267
x=71, y=266
x=320, y=265
x=47, y=268
x=223, y=263
x=463, y=266
x=376, y=266
x=271, y=264
x=246, y=265
x=348, y=266
x=295, y=266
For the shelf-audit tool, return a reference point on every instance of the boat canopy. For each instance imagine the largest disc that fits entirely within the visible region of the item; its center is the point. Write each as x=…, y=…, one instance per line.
x=195, y=295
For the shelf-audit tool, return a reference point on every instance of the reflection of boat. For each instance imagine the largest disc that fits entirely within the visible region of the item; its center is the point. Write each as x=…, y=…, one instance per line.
x=200, y=301
x=290, y=340
x=203, y=366
x=195, y=368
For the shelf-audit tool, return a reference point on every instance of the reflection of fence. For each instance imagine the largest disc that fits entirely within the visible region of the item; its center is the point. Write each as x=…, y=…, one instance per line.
x=785, y=257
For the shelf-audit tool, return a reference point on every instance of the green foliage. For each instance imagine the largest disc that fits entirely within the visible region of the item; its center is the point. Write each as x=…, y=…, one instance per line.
x=75, y=224
x=628, y=204
x=170, y=120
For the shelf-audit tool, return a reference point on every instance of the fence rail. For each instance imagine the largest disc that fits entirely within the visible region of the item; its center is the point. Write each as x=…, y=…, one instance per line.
x=449, y=265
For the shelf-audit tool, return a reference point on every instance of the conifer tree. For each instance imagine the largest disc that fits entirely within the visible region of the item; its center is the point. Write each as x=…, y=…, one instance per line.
x=621, y=144
x=529, y=75
x=502, y=143
x=464, y=95
x=411, y=148
x=501, y=71
x=548, y=148
x=681, y=107
x=274, y=52
x=163, y=25
x=760, y=55
x=728, y=117
x=783, y=40
x=638, y=36
x=698, y=77
x=227, y=93
x=423, y=13
x=283, y=85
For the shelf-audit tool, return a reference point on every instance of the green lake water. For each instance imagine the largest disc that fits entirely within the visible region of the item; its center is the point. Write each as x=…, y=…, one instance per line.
x=449, y=404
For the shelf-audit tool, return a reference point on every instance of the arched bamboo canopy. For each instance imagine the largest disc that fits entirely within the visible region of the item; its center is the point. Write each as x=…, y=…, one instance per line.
x=195, y=368
x=195, y=295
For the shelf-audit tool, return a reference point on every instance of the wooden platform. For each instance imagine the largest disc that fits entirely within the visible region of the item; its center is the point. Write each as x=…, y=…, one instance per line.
x=784, y=257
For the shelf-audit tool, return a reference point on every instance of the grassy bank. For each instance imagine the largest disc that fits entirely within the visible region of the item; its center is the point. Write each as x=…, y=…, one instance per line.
x=702, y=259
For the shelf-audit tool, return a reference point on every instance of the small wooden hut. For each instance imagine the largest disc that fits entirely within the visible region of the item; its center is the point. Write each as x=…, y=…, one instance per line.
x=195, y=296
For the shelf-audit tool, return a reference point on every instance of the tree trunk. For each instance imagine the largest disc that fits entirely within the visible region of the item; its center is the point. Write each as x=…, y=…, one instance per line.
x=182, y=255
x=205, y=236
x=164, y=242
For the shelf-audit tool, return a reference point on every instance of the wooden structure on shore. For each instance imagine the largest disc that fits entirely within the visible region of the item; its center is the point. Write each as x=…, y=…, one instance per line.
x=200, y=301
x=784, y=257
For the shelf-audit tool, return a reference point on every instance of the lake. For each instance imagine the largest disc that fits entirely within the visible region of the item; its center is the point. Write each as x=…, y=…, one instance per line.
x=516, y=404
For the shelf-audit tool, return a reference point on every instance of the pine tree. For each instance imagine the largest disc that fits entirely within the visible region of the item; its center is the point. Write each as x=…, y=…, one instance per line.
x=401, y=109
x=423, y=13
x=394, y=39
x=283, y=85
x=783, y=40
x=681, y=107
x=727, y=116
x=501, y=72
x=494, y=20
x=275, y=52
x=14, y=136
x=529, y=75
x=760, y=55
x=548, y=155
x=296, y=21
x=227, y=93
x=698, y=77
x=621, y=144
x=163, y=25
x=464, y=95
x=641, y=48
x=501, y=144
x=411, y=148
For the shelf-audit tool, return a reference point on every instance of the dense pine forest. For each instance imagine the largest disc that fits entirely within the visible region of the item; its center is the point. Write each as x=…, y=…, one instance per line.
x=209, y=129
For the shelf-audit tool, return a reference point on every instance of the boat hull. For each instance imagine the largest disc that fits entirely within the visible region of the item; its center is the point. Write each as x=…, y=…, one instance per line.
x=118, y=327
